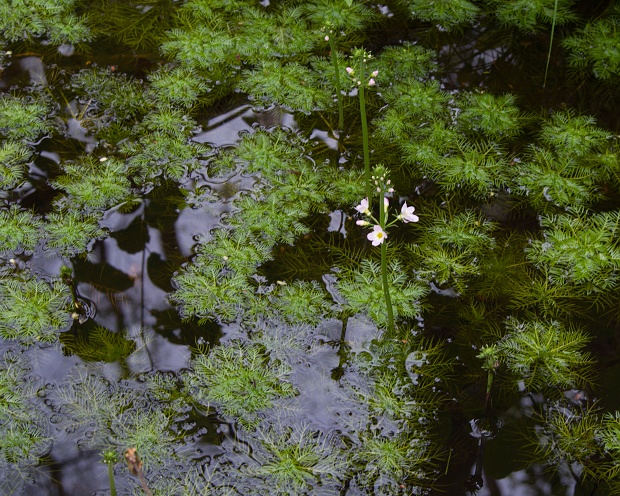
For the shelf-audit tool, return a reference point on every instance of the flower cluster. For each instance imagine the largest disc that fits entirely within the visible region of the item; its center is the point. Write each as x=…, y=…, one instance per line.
x=362, y=57
x=378, y=234
x=371, y=81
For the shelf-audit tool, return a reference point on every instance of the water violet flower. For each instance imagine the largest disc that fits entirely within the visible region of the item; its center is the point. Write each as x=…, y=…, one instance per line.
x=377, y=236
x=406, y=214
x=371, y=82
x=363, y=207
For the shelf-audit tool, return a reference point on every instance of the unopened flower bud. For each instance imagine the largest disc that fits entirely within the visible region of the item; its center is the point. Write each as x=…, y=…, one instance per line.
x=371, y=82
x=327, y=38
x=349, y=70
x=362, y=222
x=375, y=73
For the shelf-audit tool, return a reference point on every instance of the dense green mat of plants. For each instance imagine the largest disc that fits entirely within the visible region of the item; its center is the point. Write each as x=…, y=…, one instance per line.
x=320, y=247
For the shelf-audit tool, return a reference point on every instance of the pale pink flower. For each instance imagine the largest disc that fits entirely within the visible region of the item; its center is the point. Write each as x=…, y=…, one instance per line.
x=326, y=38
x=375, y=73
x=371, y=82
x=349, y=70
x=377, y=236
x=386, y=203
x=363, y=207
x=406, y=214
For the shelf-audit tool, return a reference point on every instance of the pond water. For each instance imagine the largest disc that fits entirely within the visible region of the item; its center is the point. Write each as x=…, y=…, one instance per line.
x=184, y=270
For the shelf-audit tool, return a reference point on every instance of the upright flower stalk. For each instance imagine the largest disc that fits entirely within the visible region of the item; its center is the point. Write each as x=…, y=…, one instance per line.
x=361, y=57
x=332, y=48
x=378, y=235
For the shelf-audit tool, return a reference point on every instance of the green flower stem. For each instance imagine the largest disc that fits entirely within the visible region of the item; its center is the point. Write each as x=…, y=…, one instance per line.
x=360, y=89
x=332, y=47
x=111, y=477
x=384, y=275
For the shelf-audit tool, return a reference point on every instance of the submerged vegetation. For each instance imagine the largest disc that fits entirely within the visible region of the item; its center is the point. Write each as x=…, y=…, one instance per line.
x=207, y=226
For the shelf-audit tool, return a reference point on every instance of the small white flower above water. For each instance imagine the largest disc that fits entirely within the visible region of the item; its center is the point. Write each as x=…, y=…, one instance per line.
x=363, y=207
x=406, y=214
x=377, y=236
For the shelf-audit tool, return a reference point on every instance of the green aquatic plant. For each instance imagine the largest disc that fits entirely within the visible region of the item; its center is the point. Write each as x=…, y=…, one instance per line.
x=297, y=460
x=364, y=291
x=239, y=379
x=147, y=431
x=390, y=464
x=527, y=15
x=340, y=15
x=407, y=61
x=292, y=86
x=595, y=46
x=32, y=310
x=572, y=436
x=70, y=233
x=24, y=439
x=178, y=86
x=232, y=249
x=301, y=302
x=207, y=292
x=19, y=229
x=139, y=25
x=546, y=355
x=446, y=13
x=110, y=458
x=99, y=345
x=360, y=58
x=494, y=116
x=13, y=163
x=94, y=185
x=578, y=250
x=451, y=250
x=54, y=20
x=23, y=118
x=378, y=234
x=120, y=97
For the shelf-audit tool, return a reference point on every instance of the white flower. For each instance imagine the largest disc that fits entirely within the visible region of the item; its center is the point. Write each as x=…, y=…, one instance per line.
x=326, y=38
x=371, y=82
x=377, y=236
x=363, y=207
x=406, y=214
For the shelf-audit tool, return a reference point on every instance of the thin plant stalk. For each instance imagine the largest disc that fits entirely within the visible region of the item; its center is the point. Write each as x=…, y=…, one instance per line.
x=332, y=47
x=111, y=478
x=384, y=274
x=365, y=137
x=555, y=13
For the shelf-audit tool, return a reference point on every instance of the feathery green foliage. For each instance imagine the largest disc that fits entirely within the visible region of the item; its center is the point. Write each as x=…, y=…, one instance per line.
x=546, y=355
x=579, y=251
x=595, y=46
x=94, y=185
x=363, y=290
x=54, y=20
x=33, y=310
x=99, y=345
x=23, y=118
x=239, y=379
x=297, y=460
x=446, y=13
x=528, y=15
x=13, y=158
x=19, y=229
x=70, y=232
